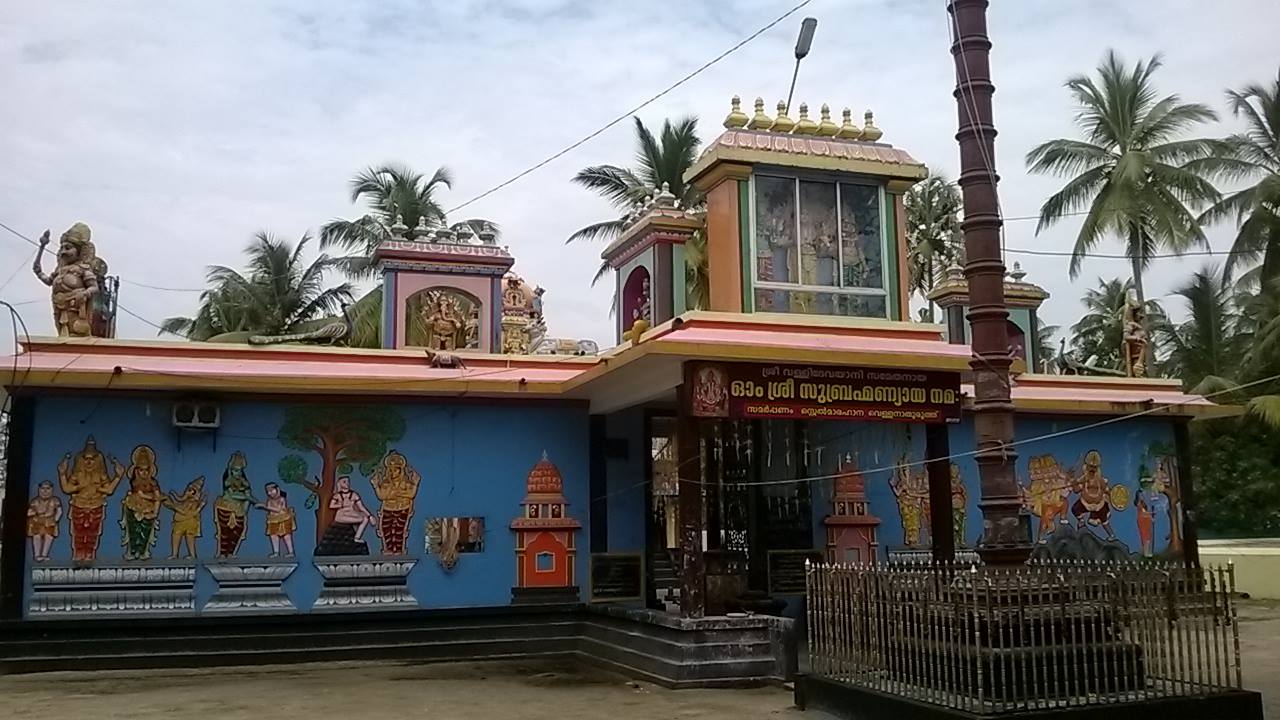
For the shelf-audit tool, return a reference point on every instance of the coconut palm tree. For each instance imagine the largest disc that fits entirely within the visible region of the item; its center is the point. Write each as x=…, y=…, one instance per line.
x=390, y=191
x=1046, y=346
x=933, y=233
x=1097, y=337
x=277, y=294
x=1134, y=173
x=1254, y=155
x=659, y=159
x=1229, y=339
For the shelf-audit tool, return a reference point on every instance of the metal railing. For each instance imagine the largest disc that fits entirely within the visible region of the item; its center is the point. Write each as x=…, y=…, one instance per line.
x=1044, y=635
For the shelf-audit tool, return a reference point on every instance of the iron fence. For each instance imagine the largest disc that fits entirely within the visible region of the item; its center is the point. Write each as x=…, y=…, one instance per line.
x=1044, y=635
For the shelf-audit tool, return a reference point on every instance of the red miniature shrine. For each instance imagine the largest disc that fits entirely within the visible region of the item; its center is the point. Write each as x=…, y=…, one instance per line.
x=851, y=528
x=545, y=550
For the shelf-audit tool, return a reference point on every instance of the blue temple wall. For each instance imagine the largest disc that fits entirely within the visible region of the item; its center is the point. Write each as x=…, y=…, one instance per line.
x=626, y=481
x=473, y=459
x=1135, y=455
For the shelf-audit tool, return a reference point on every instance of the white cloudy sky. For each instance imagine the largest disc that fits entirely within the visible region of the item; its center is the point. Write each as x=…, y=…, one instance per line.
x=177, y=129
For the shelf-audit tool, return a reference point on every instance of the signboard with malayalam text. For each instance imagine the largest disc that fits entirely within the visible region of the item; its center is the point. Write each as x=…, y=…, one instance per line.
x=823, y=392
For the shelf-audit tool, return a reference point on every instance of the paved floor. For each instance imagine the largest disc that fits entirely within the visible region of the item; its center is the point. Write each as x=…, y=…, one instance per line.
x=463, y=691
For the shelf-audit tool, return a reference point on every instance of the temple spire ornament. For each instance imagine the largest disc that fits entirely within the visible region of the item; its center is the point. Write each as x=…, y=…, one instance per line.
x=870, y=132
x=761, y=119
x=847, y=130
x=826, y=126
x=805, y=126
x=782, y=123
x=398, y=228
x=736, y=118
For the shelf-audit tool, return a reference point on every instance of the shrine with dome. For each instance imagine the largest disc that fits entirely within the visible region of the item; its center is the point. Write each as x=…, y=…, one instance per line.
x=651, y=505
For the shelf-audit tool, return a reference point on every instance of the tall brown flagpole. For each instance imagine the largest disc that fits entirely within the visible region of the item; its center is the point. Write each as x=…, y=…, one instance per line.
x=1006, y=528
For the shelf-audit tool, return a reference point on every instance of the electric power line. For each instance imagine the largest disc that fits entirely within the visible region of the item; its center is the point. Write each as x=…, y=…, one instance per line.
x=633, y=110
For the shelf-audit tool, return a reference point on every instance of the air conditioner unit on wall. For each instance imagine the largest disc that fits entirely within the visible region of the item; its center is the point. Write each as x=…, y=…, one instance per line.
x=196, y=414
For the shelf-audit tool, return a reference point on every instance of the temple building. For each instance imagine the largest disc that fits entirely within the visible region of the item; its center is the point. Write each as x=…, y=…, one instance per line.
x=699, y=462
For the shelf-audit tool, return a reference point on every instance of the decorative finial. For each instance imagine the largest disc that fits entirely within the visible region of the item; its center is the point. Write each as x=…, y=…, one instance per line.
x=465, y=234
x=782, y=123
x=421, y=232
x=1017, y=273
x=805, y=126
x=736, y=118
x=955, y=272
x=870, y=132
x=761, y=120
x=398, y=228
x=664, y=198
x=488, y=236
x=827, y=128
x=848, y=130
x=447, y=235
x=438, y=236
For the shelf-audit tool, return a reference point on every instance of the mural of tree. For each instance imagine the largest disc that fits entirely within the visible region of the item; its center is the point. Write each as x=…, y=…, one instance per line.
x=344, y=436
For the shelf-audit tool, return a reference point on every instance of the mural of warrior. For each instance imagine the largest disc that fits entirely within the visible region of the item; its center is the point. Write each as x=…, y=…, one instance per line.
x=74, y=280
x=1094, y=501
x=1046, y=496
x=186, y=508
x=345, y=535
x=44, y=512
x=140, y=509
x=88, y=484
x=230, y=510
x=395, y=483
x=281, y=520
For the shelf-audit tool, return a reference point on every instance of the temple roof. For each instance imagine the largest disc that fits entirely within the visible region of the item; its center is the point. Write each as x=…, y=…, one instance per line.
x=806, y=144
x=630, y=374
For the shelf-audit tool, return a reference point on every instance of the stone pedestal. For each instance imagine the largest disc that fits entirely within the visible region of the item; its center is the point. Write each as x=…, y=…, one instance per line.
x=66, y=591
x=250, y=587
x=363, y=583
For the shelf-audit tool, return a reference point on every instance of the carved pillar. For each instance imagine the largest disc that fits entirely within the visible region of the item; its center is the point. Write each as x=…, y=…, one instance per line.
x=1006, y=528
x=689, y=471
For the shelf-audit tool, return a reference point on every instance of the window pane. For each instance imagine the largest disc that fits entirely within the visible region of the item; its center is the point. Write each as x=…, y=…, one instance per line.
x=804, y=302
x=818, y=252
x=862, y=236
x=776, y=229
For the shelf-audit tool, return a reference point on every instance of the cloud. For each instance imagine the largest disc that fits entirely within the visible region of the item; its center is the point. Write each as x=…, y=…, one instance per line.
x=176, y=130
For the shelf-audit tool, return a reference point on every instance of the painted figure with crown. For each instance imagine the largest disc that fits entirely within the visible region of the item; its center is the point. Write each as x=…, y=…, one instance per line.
x=76, y=281
x=395, y=482
x=140, y=509
x=231, y=509
x=88, y=483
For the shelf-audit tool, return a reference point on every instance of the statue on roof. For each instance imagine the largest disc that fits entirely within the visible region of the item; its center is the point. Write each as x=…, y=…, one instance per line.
x=1134, y=343
x=77, y=281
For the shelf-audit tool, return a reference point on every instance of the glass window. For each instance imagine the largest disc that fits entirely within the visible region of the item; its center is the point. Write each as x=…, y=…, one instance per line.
x=819, y=234
x=819, y=247
x=776, y=230
x=861, y=236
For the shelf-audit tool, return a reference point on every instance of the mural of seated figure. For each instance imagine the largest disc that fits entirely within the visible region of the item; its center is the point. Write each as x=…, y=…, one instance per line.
x=345, y=535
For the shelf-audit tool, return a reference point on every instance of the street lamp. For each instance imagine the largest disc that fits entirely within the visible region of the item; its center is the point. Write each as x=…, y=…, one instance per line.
x=803, y=43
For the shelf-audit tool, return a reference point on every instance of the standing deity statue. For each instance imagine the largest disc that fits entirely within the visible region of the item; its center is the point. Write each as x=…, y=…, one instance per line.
x=395, y=482
x=140, y=509
x=1134, y=344
x=75, y=280
x=88, y=483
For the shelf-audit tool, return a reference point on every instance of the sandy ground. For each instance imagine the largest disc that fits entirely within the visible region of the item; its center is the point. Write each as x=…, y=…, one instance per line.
x=372, y=691
x=462, y=691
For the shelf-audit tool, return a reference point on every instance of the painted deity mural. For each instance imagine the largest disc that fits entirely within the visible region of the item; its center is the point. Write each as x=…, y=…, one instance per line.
x=379, y=488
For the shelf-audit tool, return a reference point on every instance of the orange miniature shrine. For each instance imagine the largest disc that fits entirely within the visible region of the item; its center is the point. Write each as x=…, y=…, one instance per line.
x=851, y=528
x=545, y=547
